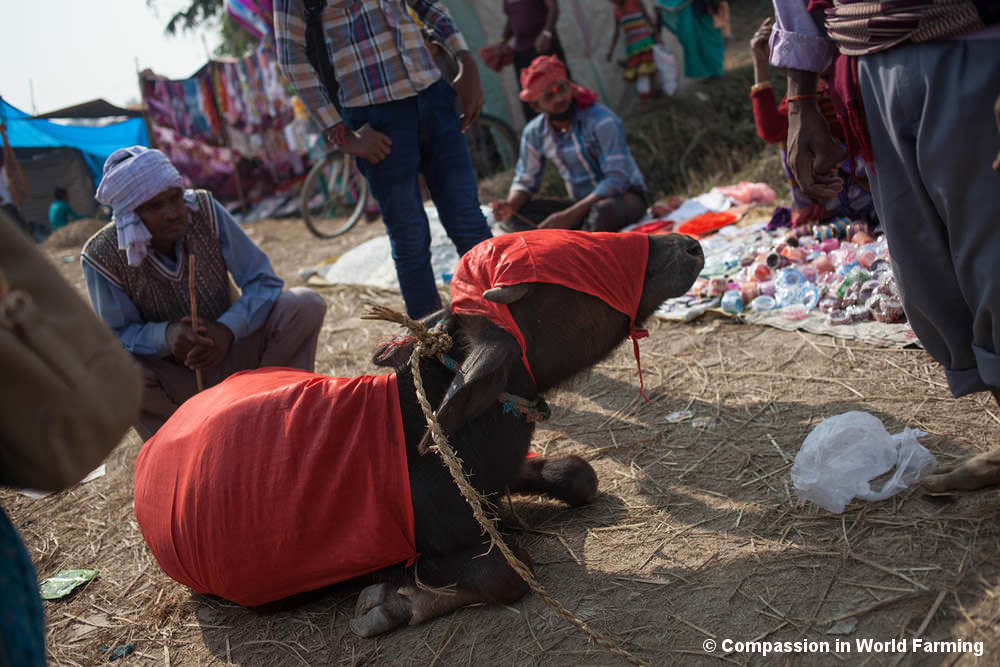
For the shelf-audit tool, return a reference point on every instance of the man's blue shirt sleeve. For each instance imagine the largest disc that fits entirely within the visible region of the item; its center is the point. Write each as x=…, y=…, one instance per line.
x=530, y=162
x=613, y=156
x=251, y=269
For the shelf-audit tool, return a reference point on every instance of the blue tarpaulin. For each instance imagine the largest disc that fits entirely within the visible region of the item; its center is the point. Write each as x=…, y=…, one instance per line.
x=96, y=143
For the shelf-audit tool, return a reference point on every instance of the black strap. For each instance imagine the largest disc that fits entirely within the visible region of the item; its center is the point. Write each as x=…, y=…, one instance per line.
x=316, y=51
x=989, y=10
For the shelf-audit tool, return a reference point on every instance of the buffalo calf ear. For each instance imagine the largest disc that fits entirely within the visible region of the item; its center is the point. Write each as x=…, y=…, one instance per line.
x=507, y=294
x=481, y=379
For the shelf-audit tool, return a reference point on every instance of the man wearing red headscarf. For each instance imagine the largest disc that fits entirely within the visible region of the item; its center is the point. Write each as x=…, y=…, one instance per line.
x=586, y=142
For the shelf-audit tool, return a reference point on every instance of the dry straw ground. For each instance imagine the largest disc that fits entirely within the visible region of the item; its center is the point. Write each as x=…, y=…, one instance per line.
x=696, y=534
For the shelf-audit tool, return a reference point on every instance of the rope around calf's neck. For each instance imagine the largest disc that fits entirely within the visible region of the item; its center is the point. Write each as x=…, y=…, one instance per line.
x=431, y=343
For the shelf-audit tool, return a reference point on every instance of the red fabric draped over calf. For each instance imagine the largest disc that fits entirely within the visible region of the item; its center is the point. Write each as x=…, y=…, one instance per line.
x=609, y=266
x=275, y=482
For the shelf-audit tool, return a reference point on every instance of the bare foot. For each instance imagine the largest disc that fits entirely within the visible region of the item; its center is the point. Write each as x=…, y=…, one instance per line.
x=979, y=472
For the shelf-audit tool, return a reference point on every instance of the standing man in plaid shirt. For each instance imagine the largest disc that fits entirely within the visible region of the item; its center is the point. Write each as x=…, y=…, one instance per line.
x=398, y=117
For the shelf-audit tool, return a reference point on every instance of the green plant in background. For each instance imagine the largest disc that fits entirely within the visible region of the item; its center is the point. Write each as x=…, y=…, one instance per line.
x=702, y=137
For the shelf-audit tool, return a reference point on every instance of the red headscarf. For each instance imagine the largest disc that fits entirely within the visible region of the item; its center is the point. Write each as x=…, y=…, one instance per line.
x=609, y=266
x=545, y=71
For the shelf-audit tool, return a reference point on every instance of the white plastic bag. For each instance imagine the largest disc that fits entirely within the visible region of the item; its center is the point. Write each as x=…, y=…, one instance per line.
x=666, y=65
x=841, y=456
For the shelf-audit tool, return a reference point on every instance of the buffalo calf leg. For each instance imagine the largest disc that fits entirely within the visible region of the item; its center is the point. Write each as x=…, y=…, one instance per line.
x=447, y=582
x=569, y=479
x=979, y=472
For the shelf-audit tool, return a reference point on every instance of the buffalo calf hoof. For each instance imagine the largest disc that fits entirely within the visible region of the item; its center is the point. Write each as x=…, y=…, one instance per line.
x=380, y=608
x=573, y=480
x=568, y=478
x=979, y=472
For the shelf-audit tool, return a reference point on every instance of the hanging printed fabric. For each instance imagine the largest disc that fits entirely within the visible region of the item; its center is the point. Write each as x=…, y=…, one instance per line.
x=254, y=17
x=230, y=110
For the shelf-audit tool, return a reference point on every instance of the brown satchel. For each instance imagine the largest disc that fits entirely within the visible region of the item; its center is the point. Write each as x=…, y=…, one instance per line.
x=68, y=389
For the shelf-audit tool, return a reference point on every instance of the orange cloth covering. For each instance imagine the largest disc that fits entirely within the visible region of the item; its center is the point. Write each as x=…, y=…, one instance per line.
x=608, y=265
x=706, y=223
x=275, y=482
x=658, y=226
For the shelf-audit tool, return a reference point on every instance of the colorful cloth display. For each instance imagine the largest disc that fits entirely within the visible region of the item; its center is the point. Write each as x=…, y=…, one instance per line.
x=230, y=114
x=275, y=482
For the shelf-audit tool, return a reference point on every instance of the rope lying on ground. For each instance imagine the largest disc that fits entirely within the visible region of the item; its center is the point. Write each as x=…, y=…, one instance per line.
x=432, y=343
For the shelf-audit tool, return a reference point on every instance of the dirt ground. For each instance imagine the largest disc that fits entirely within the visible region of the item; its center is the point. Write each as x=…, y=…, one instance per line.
x=697, y=533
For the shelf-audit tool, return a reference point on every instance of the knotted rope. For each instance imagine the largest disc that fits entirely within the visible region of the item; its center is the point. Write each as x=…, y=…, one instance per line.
x=431, y=343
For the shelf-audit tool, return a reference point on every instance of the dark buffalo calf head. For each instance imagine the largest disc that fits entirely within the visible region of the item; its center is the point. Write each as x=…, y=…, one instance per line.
x=565, y=331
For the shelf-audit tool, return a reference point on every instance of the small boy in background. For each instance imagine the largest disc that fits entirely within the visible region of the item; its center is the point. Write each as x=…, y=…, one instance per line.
x=60, y=212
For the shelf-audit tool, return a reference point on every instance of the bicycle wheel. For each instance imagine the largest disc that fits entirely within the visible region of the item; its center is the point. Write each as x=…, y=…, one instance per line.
x=493, y=146
x=334, y=195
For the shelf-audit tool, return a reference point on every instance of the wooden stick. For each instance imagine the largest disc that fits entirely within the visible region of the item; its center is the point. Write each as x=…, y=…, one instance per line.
x=15, y=177
x=525, y=220
x=194, y=313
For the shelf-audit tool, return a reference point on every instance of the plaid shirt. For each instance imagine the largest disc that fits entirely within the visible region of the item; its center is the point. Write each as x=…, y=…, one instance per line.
x=591, y=156
x=376, y=49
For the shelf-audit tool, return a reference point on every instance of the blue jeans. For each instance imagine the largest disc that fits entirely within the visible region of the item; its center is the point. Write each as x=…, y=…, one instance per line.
x=426, y=139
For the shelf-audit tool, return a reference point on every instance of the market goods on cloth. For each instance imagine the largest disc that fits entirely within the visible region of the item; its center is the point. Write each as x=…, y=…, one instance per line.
x=728, y=248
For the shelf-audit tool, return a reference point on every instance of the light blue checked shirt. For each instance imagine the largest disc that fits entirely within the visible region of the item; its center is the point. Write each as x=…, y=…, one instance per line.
x=592, y=156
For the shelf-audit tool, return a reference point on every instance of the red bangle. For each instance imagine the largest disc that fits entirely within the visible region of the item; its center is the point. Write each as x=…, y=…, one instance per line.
x=336, y=134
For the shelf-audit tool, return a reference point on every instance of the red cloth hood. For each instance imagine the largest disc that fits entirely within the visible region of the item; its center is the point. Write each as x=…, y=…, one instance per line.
x=275, y=482
x=610, y=266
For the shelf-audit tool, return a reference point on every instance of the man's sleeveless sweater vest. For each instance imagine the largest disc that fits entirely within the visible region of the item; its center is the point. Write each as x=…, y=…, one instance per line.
x=161, y=294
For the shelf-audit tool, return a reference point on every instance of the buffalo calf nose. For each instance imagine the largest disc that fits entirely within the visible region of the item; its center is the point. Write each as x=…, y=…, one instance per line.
x=694, y=248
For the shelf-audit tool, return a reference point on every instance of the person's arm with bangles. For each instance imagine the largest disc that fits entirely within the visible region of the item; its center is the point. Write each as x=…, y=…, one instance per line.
x=543, y=43
x=813, y=153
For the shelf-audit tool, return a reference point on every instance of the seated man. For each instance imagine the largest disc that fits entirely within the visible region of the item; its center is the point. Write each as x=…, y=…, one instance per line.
x=586, y=141
x=136, y=269
x=60, y=212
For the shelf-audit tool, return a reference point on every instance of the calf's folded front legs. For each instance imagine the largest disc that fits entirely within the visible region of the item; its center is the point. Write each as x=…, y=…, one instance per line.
x=449, y=581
